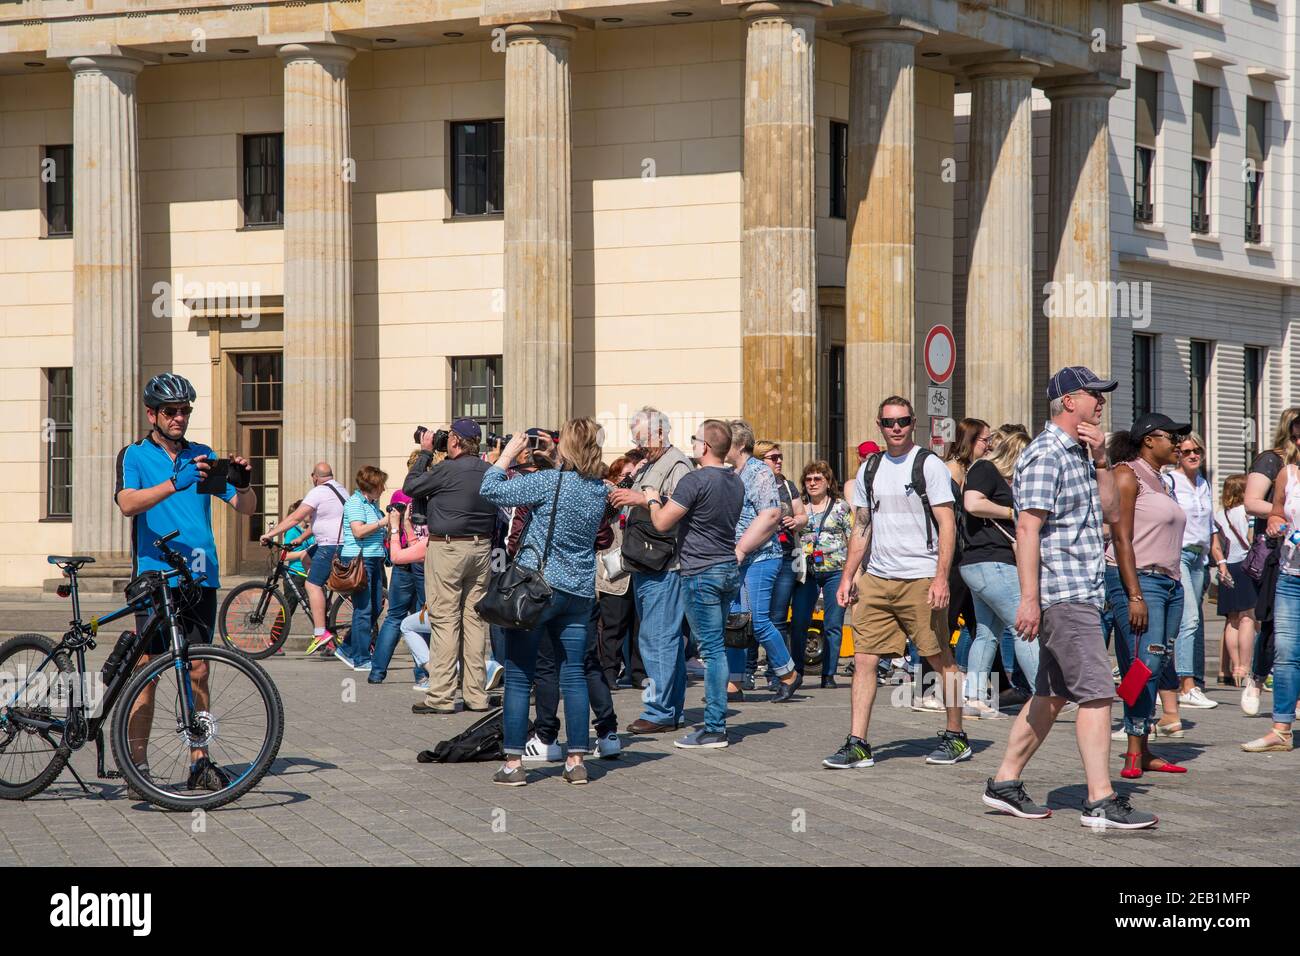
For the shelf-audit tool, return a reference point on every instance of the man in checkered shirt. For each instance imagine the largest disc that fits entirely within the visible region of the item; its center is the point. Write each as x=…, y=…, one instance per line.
x=1064, y=491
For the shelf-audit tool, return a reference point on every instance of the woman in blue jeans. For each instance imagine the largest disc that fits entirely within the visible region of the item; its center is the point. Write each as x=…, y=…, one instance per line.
x=1197, y=500
x=988, y=567
x=407, y=546
x=794, y=518
x=758, y=551
x=566, y=505
x=1143, y=582
x=825, y=543
x=364, y=527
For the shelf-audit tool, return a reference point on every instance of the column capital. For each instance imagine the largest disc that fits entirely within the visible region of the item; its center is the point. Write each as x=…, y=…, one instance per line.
x=890, y=29
x=535, y=22
x=1103, y=85
x=105, y=58
x=533, y=31
x=779, y=9
x=318, y=52
x=1008, y=63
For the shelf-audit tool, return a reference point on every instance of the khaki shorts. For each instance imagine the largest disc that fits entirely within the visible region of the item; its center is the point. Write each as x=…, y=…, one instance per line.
x=889, y=612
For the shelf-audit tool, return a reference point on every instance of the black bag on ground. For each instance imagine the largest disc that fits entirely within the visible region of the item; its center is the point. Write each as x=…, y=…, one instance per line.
x=480, y=741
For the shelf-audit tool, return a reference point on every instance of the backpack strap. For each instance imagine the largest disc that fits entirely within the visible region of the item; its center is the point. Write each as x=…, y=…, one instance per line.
x=918, y=485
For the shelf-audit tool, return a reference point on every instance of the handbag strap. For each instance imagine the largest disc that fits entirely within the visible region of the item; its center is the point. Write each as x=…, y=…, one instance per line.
x=1235, y=533
x=343, y=501
x=550, y=531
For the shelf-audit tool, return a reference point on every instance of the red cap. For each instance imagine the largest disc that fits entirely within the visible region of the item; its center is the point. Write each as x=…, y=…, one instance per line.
x=868, y=448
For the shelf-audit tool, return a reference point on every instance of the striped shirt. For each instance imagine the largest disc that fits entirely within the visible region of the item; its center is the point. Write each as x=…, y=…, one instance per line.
x=1056, y=474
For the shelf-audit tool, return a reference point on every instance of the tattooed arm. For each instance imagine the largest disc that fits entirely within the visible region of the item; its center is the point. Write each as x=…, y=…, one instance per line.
x=859, y=548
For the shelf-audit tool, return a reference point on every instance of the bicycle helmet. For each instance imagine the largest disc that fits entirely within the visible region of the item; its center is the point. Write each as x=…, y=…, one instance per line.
x=168, y=389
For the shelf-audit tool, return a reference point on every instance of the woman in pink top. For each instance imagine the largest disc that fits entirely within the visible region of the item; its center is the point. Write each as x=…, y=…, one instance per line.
x=1143, y=581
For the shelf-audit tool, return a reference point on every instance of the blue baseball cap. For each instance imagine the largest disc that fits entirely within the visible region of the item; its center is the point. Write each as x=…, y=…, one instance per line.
x=467, y=428
x=1076, y=378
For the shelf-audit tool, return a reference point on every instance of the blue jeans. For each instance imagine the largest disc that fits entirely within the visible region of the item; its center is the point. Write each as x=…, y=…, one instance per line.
x=547, y=684
x=805, y=597
x=405, y=596
x=1286, y=648
x=995, y=591
x=365, y=605
x=661, y=609
x=1163, y=597
x=708, y=596
x=1189, y=651
x=783, y=589
x=564, y=624
x=756, y=597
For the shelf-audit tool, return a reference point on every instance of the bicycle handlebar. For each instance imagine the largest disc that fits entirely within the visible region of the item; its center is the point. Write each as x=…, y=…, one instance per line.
x=179, y=565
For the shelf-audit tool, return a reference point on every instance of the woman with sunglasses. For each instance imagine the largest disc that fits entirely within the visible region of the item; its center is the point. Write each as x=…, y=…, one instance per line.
x=1197, y=501
x=825, y=544
x=794, y=518
x=1144, y=582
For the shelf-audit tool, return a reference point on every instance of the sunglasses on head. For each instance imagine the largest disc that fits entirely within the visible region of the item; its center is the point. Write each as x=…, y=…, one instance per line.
x=902, y=422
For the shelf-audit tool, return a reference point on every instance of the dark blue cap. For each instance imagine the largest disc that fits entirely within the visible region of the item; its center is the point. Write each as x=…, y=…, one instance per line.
x=467, y=428
x=1075, y=378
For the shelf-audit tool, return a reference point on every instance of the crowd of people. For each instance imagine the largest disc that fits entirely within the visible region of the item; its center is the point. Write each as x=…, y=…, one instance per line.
x=994, y=577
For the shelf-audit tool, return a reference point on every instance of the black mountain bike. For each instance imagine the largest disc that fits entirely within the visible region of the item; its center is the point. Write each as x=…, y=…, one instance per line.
x=178, y=707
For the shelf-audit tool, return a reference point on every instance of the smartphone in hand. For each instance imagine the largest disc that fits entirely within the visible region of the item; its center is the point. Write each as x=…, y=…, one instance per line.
x=218, y=476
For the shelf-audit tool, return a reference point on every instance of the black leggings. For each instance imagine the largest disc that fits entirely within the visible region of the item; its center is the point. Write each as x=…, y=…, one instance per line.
x=546, y=679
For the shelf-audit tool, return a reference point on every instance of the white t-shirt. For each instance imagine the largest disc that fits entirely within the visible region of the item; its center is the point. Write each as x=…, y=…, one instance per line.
x=1234, y=520
x=326, y=523
x=1198, y=503
x=898, y=550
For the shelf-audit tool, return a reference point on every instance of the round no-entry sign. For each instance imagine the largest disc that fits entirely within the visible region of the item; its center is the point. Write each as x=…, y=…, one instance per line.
x=940, y=354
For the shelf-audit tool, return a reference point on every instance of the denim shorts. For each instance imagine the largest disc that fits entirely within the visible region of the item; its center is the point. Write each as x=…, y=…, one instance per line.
x=322, y=556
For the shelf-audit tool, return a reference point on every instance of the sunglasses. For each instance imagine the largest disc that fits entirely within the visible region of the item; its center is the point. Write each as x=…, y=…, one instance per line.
x=1190, y=452
x=701, y=441
x=776, y=457
x=903, y=422
x=814, y=478
x=171, y=411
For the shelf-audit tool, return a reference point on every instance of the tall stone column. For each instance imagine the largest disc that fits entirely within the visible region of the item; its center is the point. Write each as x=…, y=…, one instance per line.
x=538, y=227
x=318, y=422
x=1078, y=225
x=779, y=301
x=880, y=281
x=105, y=301
x=999, y=295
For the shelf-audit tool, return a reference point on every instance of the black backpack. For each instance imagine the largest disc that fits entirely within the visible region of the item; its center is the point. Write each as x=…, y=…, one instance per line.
x=918, y=485
x=480, y=741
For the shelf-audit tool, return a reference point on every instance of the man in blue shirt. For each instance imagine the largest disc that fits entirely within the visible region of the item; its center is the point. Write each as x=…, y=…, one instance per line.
x=157, y=488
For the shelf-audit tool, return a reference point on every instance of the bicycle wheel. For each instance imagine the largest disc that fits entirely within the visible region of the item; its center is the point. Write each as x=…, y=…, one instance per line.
x=29, y=687
x=254, y=620
x=339, y=619
x=239, y=728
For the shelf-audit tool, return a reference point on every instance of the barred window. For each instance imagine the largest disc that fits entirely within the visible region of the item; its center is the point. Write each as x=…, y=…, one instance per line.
x=264, y=179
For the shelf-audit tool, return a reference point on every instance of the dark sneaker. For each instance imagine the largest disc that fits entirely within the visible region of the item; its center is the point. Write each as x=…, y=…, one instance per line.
x=1009, y=796
x=205, y=775
x=1115, y=813
x=701, y=740
x=953, y=747
x=518, y=777
x=577, y=774
x=855, y=753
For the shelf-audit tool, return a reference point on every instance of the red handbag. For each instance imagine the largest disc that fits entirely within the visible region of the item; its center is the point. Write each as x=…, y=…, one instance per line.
x=1134, y=681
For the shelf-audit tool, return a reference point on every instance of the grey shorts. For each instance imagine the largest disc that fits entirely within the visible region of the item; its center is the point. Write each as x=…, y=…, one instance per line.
x=1072, y=661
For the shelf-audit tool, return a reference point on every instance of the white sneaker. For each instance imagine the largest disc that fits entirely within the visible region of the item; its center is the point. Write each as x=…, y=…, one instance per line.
x=1250, y=698
x=421, y=687
x=608, y=746
x=928, y=703
x=1069, y=708
x=496, y=673
x=537, y=752
x=1196, y=698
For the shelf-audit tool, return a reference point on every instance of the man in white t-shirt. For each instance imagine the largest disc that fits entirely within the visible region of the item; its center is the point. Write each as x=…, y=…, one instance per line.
x=902, y=592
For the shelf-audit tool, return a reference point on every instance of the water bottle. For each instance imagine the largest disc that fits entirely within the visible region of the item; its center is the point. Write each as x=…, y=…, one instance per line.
x=122, y=650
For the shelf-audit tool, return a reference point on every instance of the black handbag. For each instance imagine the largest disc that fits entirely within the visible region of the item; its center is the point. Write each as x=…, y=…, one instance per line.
x=645, y=548
x=738, y=632
x=516, y=597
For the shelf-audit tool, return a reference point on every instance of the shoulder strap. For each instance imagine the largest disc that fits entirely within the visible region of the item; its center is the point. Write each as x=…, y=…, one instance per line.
x=1233, y=528
x=344, y=502
x=869, y=479
x=550, y=530
x=918, y=485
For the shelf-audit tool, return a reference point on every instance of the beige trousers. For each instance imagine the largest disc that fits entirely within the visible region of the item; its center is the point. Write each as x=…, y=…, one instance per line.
x=455, y=579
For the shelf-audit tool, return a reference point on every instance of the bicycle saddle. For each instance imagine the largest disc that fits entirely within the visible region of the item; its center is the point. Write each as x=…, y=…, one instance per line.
x=74, y=562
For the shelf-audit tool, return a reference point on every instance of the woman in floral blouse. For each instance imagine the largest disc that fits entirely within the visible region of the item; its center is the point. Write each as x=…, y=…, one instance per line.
x=825, y=542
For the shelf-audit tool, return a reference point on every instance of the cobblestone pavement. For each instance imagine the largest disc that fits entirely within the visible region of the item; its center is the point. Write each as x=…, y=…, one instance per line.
x=348, y=790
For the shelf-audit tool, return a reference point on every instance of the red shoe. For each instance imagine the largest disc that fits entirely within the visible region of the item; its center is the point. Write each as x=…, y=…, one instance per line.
x=1169, y=768
x=1132, y=767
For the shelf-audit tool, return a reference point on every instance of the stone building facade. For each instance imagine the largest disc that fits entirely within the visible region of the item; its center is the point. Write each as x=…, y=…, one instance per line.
x=341, y=220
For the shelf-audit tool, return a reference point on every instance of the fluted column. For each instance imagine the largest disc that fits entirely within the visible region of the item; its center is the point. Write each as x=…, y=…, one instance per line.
x=1078, y=225
x=779, y=301
x=538, y=227
x=318, y=421
x=105, y=300
x=880, y=280
x=999, y=297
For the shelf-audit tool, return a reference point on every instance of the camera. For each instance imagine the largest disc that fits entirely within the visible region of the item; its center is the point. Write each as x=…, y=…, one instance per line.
x=626, y=482
x=398, y=506
x=439, y=438
x=494, y=440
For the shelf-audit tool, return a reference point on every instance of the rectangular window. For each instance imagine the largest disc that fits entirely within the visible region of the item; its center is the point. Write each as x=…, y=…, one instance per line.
x=1146, y=126
x=56, y=173
x=836, y=419
x=264, y=179
x=1252, y=374
x=261, y=381
x=477, y=391
x=58, y=442
x=1143, y=375
x=1256, y=153
x=839, y=169
x=1202, y=154
x=1199, y=383
x=477, y=167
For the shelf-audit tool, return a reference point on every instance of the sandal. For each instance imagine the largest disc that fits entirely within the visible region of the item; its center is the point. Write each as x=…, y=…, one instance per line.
x=1273, y=741
x=1132, y=766
x=1174, y=730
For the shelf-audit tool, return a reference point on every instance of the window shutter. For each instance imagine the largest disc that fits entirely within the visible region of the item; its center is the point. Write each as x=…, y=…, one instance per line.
x=1148, y=108
x=1202, y=120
